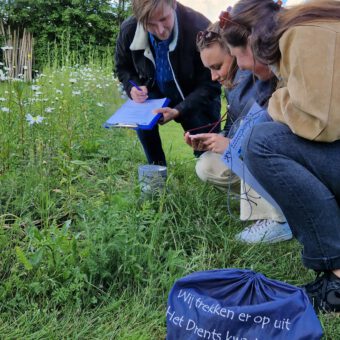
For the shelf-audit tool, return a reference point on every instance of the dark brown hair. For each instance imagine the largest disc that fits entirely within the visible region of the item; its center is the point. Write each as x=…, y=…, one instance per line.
x=264, y=22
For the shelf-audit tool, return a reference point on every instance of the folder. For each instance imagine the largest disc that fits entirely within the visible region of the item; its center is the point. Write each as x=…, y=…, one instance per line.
x=233, y=156
x=137, y=115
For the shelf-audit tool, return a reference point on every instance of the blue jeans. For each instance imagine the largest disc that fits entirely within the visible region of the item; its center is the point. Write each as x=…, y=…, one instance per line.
x=302, y=176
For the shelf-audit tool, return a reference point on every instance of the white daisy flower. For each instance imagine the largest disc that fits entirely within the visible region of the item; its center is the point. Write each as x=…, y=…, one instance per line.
x=5, y=48
x=49, y=109
x=35, y=87
x=34, y=120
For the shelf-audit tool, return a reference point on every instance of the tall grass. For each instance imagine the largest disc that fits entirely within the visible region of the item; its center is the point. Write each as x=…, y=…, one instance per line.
x=82, y=254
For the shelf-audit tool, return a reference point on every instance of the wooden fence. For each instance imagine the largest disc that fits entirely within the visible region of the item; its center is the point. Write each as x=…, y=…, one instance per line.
x=17, y=52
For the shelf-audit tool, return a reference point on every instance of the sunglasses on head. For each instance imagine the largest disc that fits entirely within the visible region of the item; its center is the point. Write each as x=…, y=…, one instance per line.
x=207, y=36
x=225, y=19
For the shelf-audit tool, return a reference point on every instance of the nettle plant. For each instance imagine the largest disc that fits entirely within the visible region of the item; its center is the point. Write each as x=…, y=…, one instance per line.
x=50, y=136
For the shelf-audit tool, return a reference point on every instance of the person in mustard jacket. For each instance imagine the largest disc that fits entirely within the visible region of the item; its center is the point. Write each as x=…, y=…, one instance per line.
x=296, y=156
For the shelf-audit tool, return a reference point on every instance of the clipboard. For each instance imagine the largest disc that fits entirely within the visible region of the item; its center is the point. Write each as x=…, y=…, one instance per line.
x=137, y=115
x=233, y=156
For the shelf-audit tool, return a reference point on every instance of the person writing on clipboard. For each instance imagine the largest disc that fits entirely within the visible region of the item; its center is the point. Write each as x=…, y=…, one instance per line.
x=156, y=57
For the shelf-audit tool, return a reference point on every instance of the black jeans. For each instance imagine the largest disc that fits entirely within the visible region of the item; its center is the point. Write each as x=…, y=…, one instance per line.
x=152, y=144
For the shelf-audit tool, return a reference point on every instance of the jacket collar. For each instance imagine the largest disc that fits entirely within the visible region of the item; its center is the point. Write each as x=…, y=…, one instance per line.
x=141, y=42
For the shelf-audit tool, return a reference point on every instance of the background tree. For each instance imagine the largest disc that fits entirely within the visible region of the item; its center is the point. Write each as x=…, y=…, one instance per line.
x=77, y=24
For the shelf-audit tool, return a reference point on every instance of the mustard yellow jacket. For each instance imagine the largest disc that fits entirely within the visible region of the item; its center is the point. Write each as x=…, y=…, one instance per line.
x=309, y=101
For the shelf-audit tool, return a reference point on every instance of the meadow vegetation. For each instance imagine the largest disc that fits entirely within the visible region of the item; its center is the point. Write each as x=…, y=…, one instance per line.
x=82, y=254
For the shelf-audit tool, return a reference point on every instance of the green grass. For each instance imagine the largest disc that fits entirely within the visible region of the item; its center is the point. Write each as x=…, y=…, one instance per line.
x=173, y=142
x=82, y=255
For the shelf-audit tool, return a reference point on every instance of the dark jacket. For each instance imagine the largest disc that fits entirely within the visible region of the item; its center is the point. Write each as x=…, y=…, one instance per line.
x=247, y=89
x=135, y=61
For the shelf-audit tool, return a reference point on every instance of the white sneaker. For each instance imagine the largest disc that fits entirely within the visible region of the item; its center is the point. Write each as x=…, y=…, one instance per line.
x=266, y=231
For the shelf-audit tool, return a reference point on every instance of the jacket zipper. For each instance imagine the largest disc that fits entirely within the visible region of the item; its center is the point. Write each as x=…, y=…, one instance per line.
x=175, y=80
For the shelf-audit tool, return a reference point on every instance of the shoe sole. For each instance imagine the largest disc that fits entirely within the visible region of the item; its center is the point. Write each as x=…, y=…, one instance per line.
x=281, y=238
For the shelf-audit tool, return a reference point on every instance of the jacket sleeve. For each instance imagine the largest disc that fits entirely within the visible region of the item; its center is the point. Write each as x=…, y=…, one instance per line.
x=307, y=67
x=124, y=67
x=203, y=91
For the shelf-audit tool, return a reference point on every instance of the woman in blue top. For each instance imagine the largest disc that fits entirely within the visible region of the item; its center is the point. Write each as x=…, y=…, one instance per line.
x=242, y=89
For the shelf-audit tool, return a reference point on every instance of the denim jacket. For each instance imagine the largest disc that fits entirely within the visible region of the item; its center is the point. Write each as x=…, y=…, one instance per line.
x=247, y=89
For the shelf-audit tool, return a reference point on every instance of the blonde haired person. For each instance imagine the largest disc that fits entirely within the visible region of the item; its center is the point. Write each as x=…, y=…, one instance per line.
x=242, y=89
x=156, y=50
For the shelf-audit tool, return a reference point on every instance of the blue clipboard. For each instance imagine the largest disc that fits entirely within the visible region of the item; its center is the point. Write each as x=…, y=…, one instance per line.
x=233, y=156
x=137, y=115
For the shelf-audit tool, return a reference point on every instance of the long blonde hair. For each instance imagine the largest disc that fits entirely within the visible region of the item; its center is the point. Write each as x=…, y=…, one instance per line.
x=213, y=35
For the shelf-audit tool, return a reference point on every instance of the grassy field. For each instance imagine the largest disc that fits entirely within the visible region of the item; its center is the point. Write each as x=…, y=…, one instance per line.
x=82, y=255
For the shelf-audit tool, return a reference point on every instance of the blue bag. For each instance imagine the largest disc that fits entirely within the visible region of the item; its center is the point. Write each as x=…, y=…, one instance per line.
x=235, y=304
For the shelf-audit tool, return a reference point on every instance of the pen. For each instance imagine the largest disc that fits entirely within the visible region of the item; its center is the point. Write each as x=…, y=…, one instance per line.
x=135, y=85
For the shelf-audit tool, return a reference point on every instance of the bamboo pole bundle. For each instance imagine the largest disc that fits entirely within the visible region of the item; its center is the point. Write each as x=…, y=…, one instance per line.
x=17, y=52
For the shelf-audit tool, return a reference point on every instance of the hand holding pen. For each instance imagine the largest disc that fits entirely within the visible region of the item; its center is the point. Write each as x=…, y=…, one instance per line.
x=139, y=94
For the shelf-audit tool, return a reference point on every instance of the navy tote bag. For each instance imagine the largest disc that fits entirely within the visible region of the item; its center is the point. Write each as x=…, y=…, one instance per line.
x=235, y=304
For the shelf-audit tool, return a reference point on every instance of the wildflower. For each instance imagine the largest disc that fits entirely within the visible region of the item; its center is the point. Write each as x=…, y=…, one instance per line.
x=73, y=80
x=76, y=93
x=49, y=109
x=100, y=104
x=59, y=91
x=2, y=76
x=34, y=120
x=35, y=87
x=5, y=48
x=5, y=109
x=2, y=99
